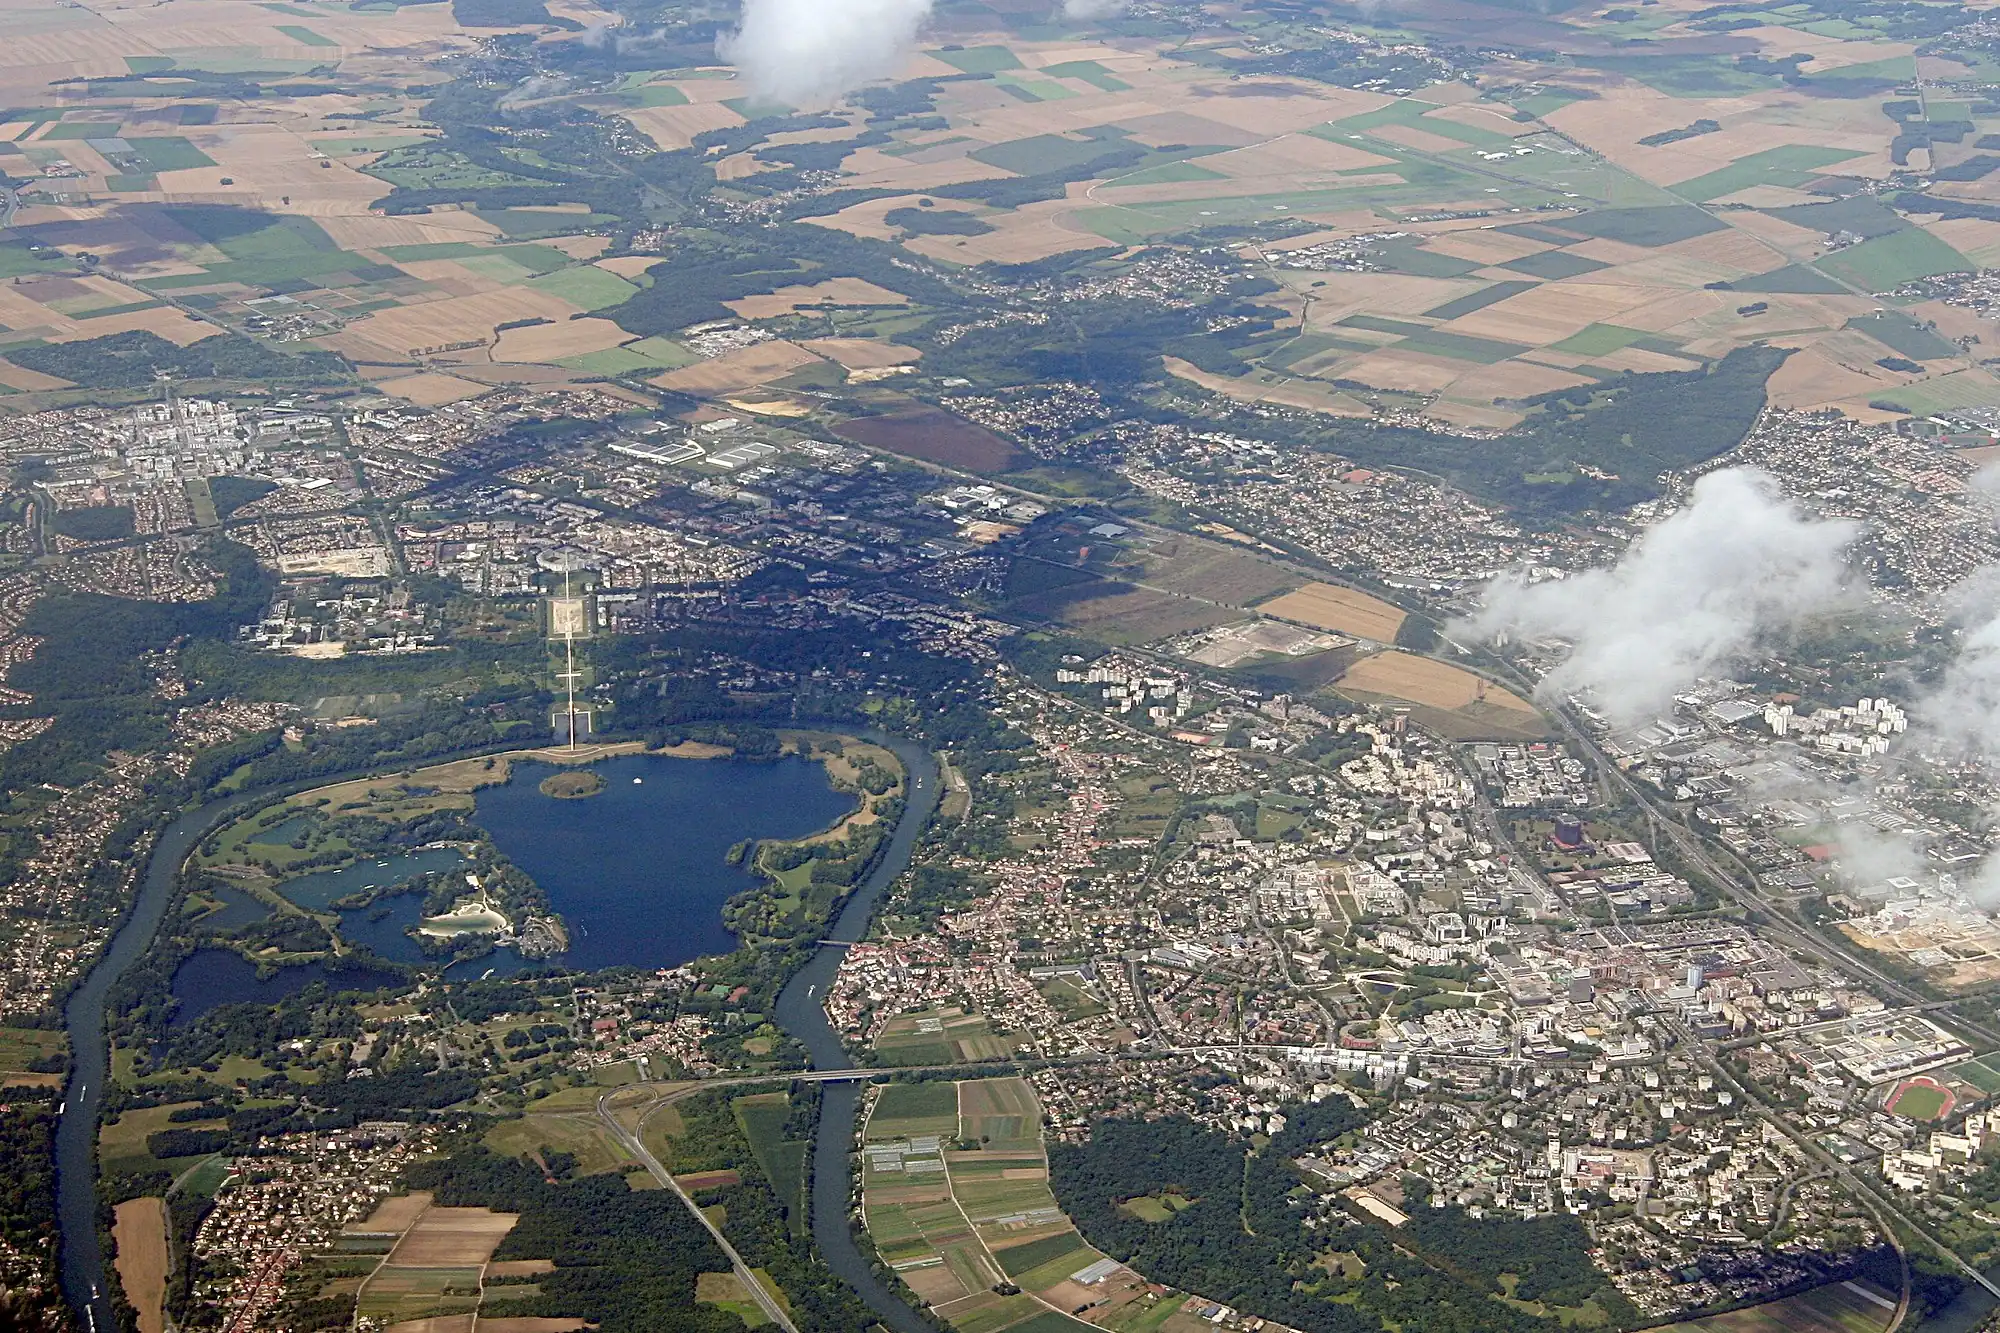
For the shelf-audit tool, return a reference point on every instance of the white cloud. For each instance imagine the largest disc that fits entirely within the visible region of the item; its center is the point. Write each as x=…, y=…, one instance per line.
x=808, y=53
x=1084, y=11
x=1694, y=594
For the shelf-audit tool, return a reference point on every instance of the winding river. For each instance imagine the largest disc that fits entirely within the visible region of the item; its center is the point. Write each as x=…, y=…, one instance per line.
x=798, y=1011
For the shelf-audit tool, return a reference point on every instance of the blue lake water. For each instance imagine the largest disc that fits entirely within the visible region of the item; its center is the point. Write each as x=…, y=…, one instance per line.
x=316, y=892
x=279, y=834
x=639, y=871
x=238, y=909
x=209, y=978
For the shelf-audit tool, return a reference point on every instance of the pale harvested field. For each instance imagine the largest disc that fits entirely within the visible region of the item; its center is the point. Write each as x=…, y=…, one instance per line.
x=28, y=381
x=1169, y=192
x=165, y=321
x=458, y=318
x=1975, y=238
x=552, y=342
x=1811, y=379
x=451, y=1238
x=395, y=1213
x=835, y=291
x=1380, y=294
x=1164, y=127
x=1294, y=105
x=1482, y=116
x=1642, y=362
x=1682, y=308
x=865, y=219
x=1661, y=270
x=1409, y=136
x=1034, y=231
x=1486, y=246
x=450, y=277
x=1952, y=321
x=1292, y=393
x=1796, y=241
x=674, y=127
x=578, y=247
x=364, y=352
x=430, y=389
x=1735, y=248
x=1553, y=311
x=1473, y=415
x=449, y=1323
x=1292, y=154
x=1040, y=55
x=368, y=232
x=862, y=353
x=1513, y=380
x=520, y=1267
x=1421, y=680
x=21, y=312
x=1342, y=610
x=746, y=368
x=876, y=170
x=628, y=266
x=140, y=1234
x=1412, y=372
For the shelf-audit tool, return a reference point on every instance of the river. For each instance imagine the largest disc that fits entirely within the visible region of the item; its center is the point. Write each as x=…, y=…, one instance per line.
x=798, y=1011
x=801, y=1012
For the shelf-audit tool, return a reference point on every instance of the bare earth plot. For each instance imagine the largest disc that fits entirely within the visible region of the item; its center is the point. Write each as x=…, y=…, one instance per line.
x=1446, y=698
x=1342, y=610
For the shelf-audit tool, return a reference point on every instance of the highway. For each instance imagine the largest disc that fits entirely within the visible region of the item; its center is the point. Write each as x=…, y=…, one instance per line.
x=751, y=1282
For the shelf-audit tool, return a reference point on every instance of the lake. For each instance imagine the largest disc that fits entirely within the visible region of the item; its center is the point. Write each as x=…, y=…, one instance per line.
x=639, y=871
x=210, y=978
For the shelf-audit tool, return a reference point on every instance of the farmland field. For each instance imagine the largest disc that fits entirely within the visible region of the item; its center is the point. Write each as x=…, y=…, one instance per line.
x=1342, y=610
x=910, y=1109
x=140, y=1234
x=935, y=436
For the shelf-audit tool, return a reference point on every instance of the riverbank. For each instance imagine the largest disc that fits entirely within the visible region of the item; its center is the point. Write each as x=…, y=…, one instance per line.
x=84, y=1280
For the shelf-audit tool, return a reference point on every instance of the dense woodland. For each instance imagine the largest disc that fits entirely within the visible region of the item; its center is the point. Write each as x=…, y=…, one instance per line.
x=1242, y=1239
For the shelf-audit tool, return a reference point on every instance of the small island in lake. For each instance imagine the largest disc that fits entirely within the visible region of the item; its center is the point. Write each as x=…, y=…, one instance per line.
x=572, y=784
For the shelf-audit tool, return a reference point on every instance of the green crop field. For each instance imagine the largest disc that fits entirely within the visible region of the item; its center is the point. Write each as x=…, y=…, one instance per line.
x=1554, y=265
x=1460, y=347
x=170, y=152
x=1411, y=258
x=1598, y=340
x=905, y=1109
x=1791, y=164
x=1479, y=300
x=1018, y=1259
x=1899, y=333
x=496, y=267
x=1049, y=1321
x=1661, y=225
x=980, y=59
x=1166, y=173
x=1890, y=261
x=1090, y=72
x=586, y=285
x=1792, y=278
x=1413, y=114
x=1865, y=217
x=300, y=33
